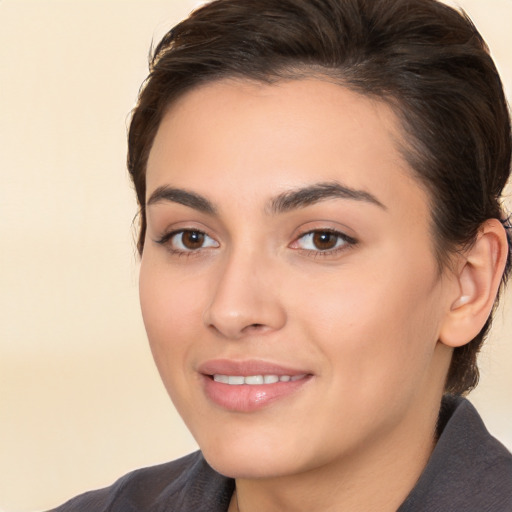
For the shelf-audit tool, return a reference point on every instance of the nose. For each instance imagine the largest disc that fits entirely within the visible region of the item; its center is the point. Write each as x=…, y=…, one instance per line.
x=245, y=299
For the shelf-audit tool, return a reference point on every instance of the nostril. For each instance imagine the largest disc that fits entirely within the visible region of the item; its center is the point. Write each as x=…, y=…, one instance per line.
x=254, y=327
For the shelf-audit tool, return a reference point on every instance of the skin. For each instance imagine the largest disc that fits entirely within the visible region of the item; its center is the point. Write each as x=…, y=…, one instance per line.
x=364, y=319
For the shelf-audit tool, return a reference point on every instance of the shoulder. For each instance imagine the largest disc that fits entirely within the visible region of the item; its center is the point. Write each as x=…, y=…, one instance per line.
x=469, y=469
x=187, y=484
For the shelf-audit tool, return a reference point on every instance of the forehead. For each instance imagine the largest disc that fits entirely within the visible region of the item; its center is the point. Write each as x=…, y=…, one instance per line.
x=263, y=139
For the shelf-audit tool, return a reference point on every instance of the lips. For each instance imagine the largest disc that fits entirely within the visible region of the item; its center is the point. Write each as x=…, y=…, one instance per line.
x=246, y=386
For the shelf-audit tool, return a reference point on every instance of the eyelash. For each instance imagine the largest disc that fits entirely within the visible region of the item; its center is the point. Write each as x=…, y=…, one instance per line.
x=348, y=242
x=166, y=239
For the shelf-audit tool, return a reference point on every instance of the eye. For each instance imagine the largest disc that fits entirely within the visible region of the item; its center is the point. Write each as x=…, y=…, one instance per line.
x=188, y=240
x=323, y=241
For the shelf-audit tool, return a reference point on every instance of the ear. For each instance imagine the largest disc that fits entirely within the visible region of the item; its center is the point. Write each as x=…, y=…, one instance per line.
x=478, y=275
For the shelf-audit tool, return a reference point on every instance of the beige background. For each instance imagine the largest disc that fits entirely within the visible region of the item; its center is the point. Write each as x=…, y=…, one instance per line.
x=80, y=401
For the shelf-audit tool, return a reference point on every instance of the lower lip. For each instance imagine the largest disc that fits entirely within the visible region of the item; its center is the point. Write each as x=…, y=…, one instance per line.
x=246, y=397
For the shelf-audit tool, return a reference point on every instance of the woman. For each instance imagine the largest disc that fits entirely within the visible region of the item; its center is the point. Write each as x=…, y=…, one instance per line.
x=322, y=246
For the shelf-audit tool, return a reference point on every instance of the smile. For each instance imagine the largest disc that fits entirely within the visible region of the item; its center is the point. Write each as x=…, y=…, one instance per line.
x=251, y=385
x=255, y=380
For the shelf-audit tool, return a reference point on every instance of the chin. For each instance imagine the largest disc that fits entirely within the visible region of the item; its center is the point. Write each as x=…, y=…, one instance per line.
x=248, y=467
x=249, y=459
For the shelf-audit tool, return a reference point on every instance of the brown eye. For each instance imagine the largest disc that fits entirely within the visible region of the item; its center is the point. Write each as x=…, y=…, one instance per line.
x=192, y=239
x=325, y=240
x=188, y=240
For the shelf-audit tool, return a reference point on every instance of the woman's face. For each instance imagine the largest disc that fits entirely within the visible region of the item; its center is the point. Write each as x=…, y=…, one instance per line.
x=289, y=287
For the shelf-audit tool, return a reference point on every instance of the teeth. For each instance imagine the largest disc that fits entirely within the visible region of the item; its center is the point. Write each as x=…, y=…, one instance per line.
x=252, y=380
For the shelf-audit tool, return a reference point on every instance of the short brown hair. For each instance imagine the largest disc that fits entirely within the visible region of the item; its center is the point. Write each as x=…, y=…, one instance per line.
x=422, y=57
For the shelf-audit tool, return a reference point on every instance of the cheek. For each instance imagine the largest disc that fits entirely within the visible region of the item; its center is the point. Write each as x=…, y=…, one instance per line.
x=171, y=309
x=376, y=327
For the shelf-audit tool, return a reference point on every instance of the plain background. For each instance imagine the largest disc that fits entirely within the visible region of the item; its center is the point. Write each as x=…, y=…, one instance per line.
x=80, y=401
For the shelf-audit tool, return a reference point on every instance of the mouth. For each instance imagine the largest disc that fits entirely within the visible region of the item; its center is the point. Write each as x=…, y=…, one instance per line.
x=248, y=386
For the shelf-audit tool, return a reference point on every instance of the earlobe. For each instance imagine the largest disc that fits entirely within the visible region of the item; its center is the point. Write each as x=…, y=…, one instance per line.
x=479, y=275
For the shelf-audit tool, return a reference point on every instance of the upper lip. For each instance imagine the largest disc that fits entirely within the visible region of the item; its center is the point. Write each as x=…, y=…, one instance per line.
x=247, y=368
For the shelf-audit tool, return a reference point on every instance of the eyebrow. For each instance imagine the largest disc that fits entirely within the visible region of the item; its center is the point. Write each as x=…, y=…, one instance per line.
x=285, y=202
x=181, y=196
x=306, y=196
